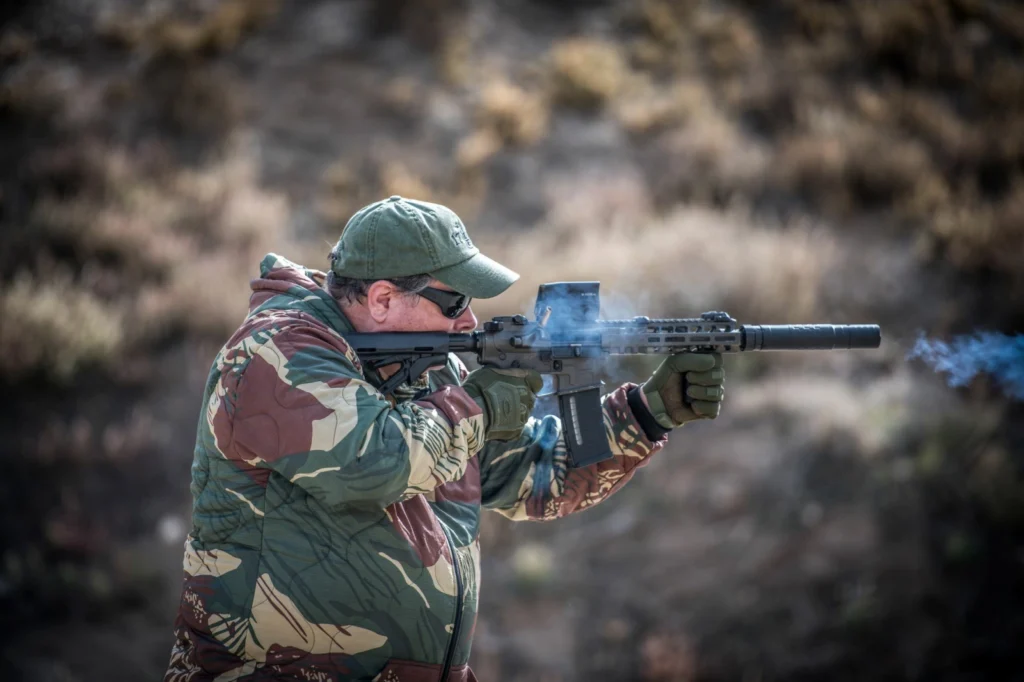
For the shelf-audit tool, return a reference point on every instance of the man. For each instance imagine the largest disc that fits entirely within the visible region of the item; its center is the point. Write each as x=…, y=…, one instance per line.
x=334, y=530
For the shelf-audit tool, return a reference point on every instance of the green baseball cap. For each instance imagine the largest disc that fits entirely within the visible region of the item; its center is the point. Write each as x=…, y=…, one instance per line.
x=400, y=237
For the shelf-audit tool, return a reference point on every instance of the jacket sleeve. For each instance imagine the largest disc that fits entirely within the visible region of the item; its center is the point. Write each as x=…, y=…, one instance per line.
x=529, y=479
x=302, y=409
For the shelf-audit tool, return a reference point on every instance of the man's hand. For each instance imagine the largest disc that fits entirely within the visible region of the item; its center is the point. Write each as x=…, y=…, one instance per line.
x=506, y=396
x=685, y=387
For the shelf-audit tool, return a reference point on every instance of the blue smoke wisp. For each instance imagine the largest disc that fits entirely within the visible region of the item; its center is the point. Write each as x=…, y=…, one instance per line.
x=964, y=357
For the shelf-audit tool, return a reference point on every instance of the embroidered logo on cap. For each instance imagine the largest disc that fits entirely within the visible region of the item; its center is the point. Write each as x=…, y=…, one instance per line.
x=459, y=236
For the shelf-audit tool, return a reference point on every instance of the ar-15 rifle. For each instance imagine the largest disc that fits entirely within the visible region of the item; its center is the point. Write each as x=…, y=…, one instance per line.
x=569, y=343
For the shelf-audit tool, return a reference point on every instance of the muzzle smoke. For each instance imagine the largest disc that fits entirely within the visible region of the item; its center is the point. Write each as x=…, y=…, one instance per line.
x=964, y=357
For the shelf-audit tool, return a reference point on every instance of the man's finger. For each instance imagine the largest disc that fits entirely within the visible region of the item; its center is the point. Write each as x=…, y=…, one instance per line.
x=707, y=410
x=534, y=381
x=694, y=362
x=532, y=377
x=713, y=377
x=708, y=393
x=517, y=373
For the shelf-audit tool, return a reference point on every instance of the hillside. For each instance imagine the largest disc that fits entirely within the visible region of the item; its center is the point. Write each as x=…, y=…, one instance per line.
x=849, y=516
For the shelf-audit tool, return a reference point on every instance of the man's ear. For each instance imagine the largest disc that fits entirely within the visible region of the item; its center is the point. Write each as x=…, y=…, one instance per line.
x=379, y=299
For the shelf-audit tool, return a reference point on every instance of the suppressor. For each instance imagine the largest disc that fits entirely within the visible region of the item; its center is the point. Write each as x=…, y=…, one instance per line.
x=810, y=336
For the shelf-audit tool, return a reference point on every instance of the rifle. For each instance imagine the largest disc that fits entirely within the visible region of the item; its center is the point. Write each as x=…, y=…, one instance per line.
x=569, y=343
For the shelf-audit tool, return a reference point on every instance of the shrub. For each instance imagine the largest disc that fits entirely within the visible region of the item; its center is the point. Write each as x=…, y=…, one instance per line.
x=516, y=116
x=727, y=41
x=342, y=194
x=855, y=168
x=706, y=161
x=664, y=39
x=586, y=73
x=168, y=251
x=397, y=178
x=664, y=21
x=669, y=266
x=219, y=29
x=978, y=236
x=54, y=328
x=474, y=151
x=648, y=109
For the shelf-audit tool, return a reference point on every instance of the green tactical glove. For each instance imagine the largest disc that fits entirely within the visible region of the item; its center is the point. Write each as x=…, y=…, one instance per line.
x=506, y=396
x=685, y=387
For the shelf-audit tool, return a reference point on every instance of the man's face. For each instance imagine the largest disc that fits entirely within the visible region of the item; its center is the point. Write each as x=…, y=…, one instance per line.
x=394, y=311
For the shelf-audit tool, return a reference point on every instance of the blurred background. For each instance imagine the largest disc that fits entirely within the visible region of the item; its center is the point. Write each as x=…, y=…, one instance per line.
x=848, y=517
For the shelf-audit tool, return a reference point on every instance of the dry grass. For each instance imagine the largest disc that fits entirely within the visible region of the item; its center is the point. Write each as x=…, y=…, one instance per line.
x=397, y=178
x=180, y=85
x=911, y=111
x=979, y=237
x=15, y=45
x=428, y=24
x=516, y=116
x=727, y=41
x=933, y=120
x=158, y=254
x=586, y=73
x=218, y=29
x=233, y=223
x=665, y=42
x=454, y=58
x=475, y=150
x=707, y=161
x=856, y=168
x=647, y=108
x=349, y=185
x=680, y=265
x=53, y=328
x=342, y=195
x=471, y=184
x=666, y=22
x=34, y=92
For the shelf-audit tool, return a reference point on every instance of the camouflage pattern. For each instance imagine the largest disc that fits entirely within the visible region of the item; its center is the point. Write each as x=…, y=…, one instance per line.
x=334, y=531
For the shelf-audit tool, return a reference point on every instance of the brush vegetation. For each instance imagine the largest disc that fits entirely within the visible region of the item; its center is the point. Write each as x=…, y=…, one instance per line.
x=795, y=161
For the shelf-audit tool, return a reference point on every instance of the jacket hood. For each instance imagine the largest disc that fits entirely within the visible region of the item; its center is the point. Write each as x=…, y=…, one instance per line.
x=283, y=284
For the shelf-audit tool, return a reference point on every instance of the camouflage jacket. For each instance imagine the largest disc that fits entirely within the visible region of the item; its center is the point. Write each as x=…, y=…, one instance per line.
x=334, y=532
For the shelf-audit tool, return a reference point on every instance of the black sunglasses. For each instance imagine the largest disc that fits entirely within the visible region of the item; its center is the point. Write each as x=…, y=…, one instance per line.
x=451, y=303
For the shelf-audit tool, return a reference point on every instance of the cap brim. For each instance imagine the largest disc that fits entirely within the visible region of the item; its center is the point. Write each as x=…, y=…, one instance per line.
x=477, y=276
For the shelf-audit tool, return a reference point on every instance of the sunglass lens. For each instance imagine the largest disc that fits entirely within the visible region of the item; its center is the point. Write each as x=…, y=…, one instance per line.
x=458, y=306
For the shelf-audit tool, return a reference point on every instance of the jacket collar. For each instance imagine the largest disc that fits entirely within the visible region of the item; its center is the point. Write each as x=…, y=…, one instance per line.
x=284, y=285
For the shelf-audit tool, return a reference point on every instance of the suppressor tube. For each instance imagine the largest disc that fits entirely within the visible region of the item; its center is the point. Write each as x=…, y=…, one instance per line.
x=810, y=336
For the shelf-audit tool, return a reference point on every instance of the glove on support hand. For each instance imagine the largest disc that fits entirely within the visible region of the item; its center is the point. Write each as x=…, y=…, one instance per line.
x=685, y=387
x=506, y=396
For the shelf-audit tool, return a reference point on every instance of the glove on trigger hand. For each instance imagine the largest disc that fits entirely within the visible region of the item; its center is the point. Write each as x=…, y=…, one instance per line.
x=506, y=397
x=685, y=387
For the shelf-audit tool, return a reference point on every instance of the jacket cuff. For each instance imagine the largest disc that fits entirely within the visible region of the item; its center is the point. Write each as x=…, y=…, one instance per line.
x=652, y=429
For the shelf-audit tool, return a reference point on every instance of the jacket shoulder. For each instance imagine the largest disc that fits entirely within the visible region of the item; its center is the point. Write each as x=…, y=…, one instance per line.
x=301, y=332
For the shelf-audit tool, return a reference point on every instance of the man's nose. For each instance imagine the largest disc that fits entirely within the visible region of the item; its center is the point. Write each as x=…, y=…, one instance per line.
x=466, y=322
